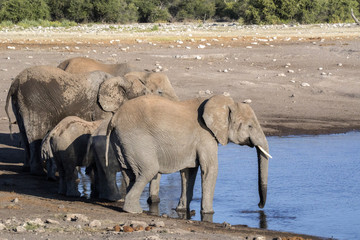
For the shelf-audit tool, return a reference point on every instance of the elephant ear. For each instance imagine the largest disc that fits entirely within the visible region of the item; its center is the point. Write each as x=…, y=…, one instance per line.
x=138, y=86
x=216, y=116
x=113, y=93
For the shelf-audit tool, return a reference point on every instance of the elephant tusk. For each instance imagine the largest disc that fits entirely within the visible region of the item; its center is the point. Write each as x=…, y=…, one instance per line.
x=264, y=152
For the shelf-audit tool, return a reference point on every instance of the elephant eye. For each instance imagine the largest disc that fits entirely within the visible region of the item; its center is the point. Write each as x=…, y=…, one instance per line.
x=250, y=126
x=160, y=92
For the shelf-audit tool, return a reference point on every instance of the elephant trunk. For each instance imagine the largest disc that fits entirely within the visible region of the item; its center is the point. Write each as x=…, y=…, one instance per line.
x=262, y=149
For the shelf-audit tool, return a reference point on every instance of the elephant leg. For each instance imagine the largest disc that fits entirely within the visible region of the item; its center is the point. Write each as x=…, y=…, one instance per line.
x=36, y=167
x=132, y=198
x=71, y=178
x=209, y=172
x=62, y=181
x=154, y=189
x=188, y=177
x=128, y=179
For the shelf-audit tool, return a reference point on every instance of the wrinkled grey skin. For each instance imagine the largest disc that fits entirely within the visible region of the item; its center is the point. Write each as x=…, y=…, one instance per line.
x=64, y=148
x=85, y=65
x=181, y=136
x=105, y=176
x=42, y=96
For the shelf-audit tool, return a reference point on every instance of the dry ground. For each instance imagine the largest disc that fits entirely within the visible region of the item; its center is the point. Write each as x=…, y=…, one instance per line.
x=299, y=80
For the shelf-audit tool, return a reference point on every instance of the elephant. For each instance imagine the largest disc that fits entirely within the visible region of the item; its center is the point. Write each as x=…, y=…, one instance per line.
x=42, y=96
x=158, y=83
x=84, y=65
x=105, y=175
x=64, y=148
x=152, y=135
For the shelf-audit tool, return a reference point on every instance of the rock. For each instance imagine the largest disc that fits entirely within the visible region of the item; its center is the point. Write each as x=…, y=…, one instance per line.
x=50, y=221
x=20, y=229
x=201, y=46
x=208, y=92
x=291, y=71
x=15, y=200
x=304, y=84
x=259, y=238
x=138, y=228
x=340, y=64
x=154, y=237
x=247, y=101
x=128, y=229
x=281, y=75
x=95, y=223
x=117, y=228
x=134, y=223
x=198, y=57
x=226, y=94
x=36, y=221
x=76, y=217
x=159, y=224
x=148, y=228
x=226, y=225
x=2, y=227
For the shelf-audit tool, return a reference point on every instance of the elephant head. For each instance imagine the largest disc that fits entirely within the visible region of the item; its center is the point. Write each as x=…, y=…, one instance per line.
x=236, y=122
x=115, y=91
x=157, y=83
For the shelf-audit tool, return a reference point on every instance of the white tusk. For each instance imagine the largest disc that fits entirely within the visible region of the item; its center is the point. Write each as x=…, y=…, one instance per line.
x=264, y=152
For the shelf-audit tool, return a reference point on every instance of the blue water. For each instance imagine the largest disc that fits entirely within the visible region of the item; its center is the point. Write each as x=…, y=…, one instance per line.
x=313, y=187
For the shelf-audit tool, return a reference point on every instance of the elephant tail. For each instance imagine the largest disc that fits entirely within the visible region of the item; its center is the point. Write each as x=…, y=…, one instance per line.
x=47, y=156
x=108, y=132
x=13, y=88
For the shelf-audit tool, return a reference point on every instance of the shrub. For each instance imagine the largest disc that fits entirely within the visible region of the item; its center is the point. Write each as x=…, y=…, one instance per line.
x=17, y=10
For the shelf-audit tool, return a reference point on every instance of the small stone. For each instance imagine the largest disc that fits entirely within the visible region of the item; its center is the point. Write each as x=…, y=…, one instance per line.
x=76, y=217
x=134, y=223
x=159, y=224
x=198, y=57
x=226, y=94
x=11, y=47
x=117, y=228
x=128, y=229
x=291, y=71
x=50, y=221
x=340, y=64
x=304, y=84
x=226, y=225
x=259, y=238
x=2, y=227
x=320, y=68
x=15, y=200
x=36, y=221
x=201, y=46
x=148, y=228
x=138, y=59
x=20, y=229
x=248, y=47
x=138, y=228
x=247, y=101
x=281, y=75
x=208, y=92
x=95, y=223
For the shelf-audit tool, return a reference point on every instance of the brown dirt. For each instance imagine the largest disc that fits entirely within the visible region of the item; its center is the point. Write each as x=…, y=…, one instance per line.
x=300, y=80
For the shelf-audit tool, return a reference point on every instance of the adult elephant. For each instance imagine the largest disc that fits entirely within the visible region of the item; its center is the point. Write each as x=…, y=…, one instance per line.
x=158, y=83
x=42, y=96
x=83, y=65
x=180, y=136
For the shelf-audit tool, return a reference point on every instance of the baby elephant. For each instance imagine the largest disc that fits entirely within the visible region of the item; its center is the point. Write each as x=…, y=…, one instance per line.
x=65, y=147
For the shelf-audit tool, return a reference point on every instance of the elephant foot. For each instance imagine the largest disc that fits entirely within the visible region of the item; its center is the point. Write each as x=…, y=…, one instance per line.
x=132, y=207
x=153, y=199
x=181, y=209
x=73, y=193
x=111, y=198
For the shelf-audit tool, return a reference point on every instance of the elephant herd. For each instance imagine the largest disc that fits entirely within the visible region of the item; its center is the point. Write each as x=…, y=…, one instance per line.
x=114, y=118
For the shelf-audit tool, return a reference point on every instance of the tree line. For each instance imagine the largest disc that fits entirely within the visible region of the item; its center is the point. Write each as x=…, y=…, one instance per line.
x=128, y=11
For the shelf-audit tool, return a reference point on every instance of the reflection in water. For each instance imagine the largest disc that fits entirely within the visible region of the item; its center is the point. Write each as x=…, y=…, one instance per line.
x=304, y=169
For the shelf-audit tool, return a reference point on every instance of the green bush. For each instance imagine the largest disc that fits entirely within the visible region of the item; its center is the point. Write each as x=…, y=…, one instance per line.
x=196, y=9
x=80, y=11
x=17, y=10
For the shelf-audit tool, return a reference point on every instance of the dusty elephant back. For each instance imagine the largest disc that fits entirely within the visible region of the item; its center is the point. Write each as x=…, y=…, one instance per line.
x=84, y=65
x=45, y=90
